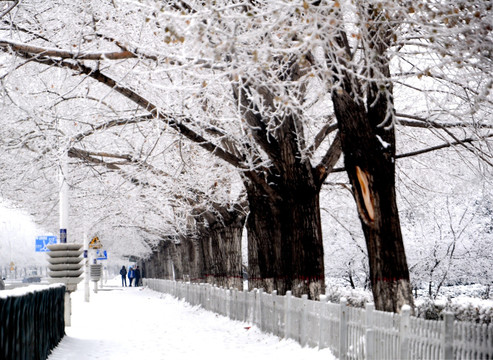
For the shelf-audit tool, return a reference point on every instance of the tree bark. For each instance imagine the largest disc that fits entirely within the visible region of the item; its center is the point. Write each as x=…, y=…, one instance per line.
x=285, y=237
x=285, y=248
x=226, y=233
x=264, y=242
x=176, y=260
x=159, y=265
x=221, y=247
x=205, y=253
x=190, y=258
x=368, y=143
x=369, y=153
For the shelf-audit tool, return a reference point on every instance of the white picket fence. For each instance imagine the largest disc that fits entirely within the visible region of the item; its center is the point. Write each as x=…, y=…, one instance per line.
x=350, y=333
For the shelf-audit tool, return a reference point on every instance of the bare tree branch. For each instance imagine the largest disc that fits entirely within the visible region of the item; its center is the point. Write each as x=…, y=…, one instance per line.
x=330, y=159
x=32, y=51
x=9, y=9
x=110, y=124
x=133, y=96
x=426, y=123
x=63, y=54
x=435, y=148
x=322, y=134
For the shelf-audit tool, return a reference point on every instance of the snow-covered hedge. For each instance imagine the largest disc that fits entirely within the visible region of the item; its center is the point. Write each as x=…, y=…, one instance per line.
x=464, y=308
x=354, y=297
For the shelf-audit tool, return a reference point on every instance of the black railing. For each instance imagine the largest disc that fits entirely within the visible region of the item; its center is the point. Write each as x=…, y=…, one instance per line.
x=31, y=324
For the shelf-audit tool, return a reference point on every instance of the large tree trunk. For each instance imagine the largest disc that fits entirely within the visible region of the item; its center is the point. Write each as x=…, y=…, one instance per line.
x=167, y=261
x=285, y=248
x=221, y=247
x=226, y=233
x=368, y=143
x=302, y=249
x=265, y=270
x=285, y=238
x=159, y=265
x=205, y=253
x=369, y=153
x=183, y=257
x=190, y=258
x=176, y=260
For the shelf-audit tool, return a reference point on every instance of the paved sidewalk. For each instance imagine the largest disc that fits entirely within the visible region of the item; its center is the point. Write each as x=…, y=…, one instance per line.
x=138, y=323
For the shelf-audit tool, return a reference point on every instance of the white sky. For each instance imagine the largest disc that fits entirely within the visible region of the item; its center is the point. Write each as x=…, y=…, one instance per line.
x=17, y=238
x=138, y=323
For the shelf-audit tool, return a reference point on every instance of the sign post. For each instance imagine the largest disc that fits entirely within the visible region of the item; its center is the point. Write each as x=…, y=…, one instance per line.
x=86, y=269
x=97, y=253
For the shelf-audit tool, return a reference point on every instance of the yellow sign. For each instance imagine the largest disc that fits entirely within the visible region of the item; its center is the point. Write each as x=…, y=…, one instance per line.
x=95, y=243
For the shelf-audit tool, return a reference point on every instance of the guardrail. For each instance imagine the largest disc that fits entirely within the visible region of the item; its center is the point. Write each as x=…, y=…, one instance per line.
x=31, y=321
x=350, y=333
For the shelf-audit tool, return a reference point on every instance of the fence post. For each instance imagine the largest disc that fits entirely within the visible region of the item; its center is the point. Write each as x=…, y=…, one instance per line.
x=275, y=323
x=261, y=309
x=207, y=293
x=448, y=336
x=343, y=330
x=303, y=325
x=404, y=331
x=321, y=319
x=228, y=302
x=246, y=306
x=210, y=297
x=253, y=306
x=370, y=334
x=287, y=315
x=234, y=303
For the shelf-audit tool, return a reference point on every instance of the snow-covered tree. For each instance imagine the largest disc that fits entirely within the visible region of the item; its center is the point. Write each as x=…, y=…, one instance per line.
x=257, y=85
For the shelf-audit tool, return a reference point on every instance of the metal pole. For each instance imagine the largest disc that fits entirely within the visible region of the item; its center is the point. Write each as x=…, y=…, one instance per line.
x=63, y=198
x=63, y=224
x=68, y=309
x=86, y=269
x=102, y=276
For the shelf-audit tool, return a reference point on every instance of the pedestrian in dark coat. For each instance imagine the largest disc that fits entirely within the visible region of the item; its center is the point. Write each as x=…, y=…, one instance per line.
x=131, y=275
x=123, y=273
x=137, y=276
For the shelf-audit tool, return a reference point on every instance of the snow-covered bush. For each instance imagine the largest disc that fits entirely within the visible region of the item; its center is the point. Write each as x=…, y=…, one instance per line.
x=464, y=309
x=355, y=297
x=463, y=301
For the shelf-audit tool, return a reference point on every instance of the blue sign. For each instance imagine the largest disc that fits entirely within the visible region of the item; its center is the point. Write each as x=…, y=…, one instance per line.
x=43, y=241
x=101, y=255
x=63, y=236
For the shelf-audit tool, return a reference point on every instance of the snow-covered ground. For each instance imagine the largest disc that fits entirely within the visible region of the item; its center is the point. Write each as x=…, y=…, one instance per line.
x=138, y=323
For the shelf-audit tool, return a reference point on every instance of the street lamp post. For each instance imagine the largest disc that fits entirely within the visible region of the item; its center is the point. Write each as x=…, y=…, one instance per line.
x=63, y=198
x=65, y=258
x=86, y=268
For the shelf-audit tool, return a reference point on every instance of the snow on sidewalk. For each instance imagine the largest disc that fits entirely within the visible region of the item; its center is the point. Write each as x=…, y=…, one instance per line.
x=138, y=323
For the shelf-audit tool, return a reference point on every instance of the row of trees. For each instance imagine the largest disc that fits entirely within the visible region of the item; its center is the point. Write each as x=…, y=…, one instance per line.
x=209, y=115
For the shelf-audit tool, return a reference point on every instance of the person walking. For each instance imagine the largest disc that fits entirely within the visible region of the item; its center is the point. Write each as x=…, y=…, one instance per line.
x=123, y=273
x=137, y=276
x=131, y=275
